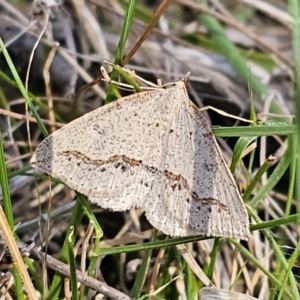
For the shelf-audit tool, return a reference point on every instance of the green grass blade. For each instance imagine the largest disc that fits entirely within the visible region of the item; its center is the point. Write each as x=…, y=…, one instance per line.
x=291, y=190
x=213, y=259
x=142, y=273
x=8, y=213
x=280, y=256
x=72, y=263
x=291, y=263
x=5, y=187
x=75, y=221
x=262, y=170
x=121, y=46
x=277, y=222
x=22, y=89
x=259, y=265
x=276, y=175
x=294, y=10
x=125, y=31
x=151, y=245
x=35, y=99
x=232, y=54
x=190, y=282
x=254, y=131
x=239, y=147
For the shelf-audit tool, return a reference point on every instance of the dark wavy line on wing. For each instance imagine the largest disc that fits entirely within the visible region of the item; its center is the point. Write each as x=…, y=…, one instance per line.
x=177, y=181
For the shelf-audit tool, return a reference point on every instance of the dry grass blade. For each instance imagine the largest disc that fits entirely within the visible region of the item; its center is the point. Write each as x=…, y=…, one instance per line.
x=16, y=256
x=211, y=293
x=30, y=119
x=162, y=8
x=193, y=265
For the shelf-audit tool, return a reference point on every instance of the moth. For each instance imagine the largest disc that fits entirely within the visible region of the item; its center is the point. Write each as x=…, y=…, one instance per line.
x=152, y=150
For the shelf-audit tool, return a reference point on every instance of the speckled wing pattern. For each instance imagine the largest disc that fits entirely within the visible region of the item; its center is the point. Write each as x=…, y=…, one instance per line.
x=155, y=151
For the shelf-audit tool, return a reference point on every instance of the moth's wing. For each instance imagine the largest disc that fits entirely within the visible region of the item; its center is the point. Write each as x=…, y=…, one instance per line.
x=198, y=194
x=111, y=154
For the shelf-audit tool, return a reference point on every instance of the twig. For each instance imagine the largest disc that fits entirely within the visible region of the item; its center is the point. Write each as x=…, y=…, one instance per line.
x=64, y=269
